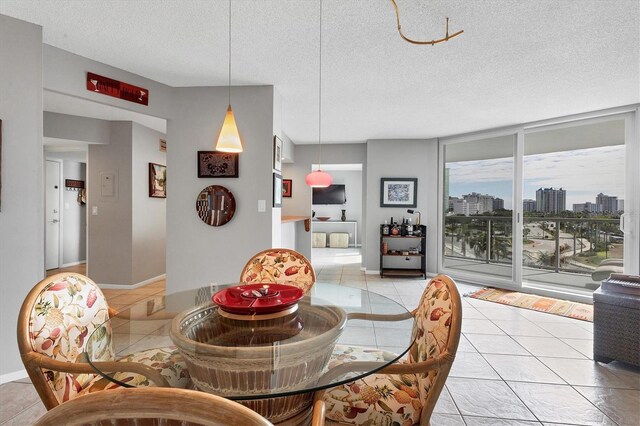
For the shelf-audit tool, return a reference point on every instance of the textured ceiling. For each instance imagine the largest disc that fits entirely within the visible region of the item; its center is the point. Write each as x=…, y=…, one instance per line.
x=517, y=61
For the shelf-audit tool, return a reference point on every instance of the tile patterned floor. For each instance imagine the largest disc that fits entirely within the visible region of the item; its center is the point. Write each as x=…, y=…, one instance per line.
x=514, y=366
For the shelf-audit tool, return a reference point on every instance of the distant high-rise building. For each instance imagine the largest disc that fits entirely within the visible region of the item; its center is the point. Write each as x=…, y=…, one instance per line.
x=460, y=206
x=528, y=205
x=609, y=203
x=498, y=204
x=484, y=201
x=549, y=200
x=620, y=205
x=587, y=208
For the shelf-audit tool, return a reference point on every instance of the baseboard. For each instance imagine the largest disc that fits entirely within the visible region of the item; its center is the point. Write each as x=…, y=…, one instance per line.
x=370, y=272
x=66, y=265
x=132, y=286
x=11, y=377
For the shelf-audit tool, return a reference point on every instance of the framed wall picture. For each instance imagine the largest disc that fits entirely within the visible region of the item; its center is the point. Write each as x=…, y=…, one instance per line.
x=287, y=188
x=277, y=190
x=216, y=164
x=157, y=180
x=277, y=154
x=398, y=192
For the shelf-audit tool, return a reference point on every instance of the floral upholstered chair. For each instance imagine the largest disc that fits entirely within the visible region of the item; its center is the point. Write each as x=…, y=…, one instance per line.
x=279, y=266
x=402, y=394
x=57, y=318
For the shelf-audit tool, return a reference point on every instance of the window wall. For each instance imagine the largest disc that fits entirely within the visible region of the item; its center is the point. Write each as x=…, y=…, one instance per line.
x=542, y=205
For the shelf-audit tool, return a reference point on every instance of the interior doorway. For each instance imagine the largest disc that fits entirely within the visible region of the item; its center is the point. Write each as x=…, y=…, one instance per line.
x=338, y=217
x=116, y=232
x=53, y=180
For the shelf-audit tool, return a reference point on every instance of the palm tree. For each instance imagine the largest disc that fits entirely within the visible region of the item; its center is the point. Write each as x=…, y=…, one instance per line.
x=450, y=229
x=478, y=242
x=463, y=235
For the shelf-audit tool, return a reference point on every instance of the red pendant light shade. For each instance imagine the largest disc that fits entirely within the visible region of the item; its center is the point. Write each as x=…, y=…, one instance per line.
x=318, y=179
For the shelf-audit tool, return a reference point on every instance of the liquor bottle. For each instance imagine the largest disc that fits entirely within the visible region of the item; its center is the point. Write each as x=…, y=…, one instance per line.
x=385, y=228
x=394, y=229
x=409, y=228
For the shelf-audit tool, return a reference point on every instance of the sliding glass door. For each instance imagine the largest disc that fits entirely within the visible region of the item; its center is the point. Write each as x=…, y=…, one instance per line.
x=477, y=207
x=574, y=194
x=542, y=205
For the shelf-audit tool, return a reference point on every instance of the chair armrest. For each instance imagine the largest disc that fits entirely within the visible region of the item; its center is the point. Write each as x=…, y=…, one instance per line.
x=397, y=368
x=379, y=317
x=318, y=413
x=150, y=373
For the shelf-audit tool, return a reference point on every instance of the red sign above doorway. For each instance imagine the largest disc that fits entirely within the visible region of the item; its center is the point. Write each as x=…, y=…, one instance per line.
x=117, y=89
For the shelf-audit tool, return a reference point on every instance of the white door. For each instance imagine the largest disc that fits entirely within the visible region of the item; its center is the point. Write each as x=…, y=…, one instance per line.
x=52, y=215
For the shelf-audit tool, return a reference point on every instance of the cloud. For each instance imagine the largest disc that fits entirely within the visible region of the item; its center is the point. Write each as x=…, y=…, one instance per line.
x=592, y=170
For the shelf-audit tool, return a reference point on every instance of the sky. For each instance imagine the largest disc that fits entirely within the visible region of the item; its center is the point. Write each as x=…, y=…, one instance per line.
x=582, y=173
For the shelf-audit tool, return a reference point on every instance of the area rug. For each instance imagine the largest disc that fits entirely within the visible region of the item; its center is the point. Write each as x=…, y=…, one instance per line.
x=549, y=305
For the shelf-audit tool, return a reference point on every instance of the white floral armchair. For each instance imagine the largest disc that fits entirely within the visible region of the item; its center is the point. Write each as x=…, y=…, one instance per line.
x=57, y=318
x=279, y=266
x=404, y=393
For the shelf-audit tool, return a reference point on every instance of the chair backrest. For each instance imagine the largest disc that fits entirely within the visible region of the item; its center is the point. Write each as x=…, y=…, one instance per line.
x=438, y=322
x=56, y=319
x=167, y=406
x=279, y=266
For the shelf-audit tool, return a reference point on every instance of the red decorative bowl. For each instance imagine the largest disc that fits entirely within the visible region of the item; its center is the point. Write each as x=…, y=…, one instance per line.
x=263, y=298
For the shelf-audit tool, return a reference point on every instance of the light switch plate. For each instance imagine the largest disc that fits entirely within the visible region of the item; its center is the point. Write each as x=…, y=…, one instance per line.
x=94, y=210
x=262, y=206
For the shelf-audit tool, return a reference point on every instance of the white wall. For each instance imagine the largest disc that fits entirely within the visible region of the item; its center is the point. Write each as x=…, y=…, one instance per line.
x=198, y=254
x=110, y=231
x=71, y=127
x=352, y=180
x=74, y=216
x=149, y=219
x=413, y=159
x=66, y=73
x=22, y=214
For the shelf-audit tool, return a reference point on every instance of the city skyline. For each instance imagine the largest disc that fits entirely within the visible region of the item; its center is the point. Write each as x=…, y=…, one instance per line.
x=580, y=172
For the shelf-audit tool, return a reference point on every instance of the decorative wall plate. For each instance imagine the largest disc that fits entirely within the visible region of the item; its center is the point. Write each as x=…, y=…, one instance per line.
x=215, y=205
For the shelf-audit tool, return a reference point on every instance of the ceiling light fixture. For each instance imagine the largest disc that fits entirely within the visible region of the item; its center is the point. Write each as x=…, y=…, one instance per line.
x=318, y=178
x=446, y=37
x=229, y=137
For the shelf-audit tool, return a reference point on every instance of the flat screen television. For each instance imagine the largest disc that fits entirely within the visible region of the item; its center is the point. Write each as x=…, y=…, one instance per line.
x=333, y=194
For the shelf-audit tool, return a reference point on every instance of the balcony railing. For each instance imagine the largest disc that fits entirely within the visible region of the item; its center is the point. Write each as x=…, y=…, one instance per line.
x=575, y=245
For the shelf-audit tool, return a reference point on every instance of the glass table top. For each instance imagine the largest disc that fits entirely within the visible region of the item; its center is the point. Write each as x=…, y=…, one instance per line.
x=306, y=348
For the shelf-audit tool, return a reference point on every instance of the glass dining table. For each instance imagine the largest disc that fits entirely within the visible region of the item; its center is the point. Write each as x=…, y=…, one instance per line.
x=272, y=363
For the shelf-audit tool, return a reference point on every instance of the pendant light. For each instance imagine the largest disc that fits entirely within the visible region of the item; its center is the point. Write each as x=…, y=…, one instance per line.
x=229, y=137
x=318, y=178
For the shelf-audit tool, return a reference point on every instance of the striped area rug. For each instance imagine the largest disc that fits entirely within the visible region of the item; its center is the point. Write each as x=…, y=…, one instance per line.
x=549, y=305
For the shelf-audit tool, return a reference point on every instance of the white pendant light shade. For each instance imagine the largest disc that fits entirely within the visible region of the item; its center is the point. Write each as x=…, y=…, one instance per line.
x=229, y=138
x=318, y=179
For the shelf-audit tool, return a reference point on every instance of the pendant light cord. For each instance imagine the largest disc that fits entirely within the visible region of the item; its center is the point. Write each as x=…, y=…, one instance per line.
x=320, y=95
x=229, y=52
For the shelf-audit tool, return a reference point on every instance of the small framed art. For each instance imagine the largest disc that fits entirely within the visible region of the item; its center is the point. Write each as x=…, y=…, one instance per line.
x=157, y=180
x=287, y=188
x=277, y=190
x=277, y=154
x=216, y=164
x=398, y=192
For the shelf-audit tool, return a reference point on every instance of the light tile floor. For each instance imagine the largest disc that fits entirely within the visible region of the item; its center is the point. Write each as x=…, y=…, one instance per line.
x=513, y=367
